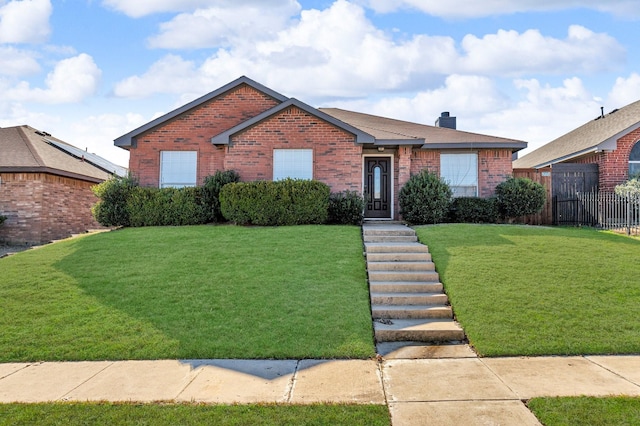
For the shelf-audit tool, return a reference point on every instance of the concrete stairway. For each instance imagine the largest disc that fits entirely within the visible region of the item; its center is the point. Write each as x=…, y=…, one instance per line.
x=408, y=303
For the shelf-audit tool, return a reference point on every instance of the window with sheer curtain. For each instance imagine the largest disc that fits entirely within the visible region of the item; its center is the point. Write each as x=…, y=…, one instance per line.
x=292, y=163
x=460, y=171
x=178, y=168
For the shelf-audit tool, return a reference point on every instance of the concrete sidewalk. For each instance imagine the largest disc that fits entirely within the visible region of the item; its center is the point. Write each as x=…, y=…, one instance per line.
x=418, y=391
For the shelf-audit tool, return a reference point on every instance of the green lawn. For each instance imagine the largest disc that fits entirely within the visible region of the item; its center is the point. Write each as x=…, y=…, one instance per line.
x=189, y=414
x=189, y=292
x=619, y=411
x=521, y=290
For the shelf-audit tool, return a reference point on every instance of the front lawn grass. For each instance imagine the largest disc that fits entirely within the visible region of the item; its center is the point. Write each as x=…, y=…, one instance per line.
x=619, y=411
x=189, y=414
x=522, y=290
x=188, y=293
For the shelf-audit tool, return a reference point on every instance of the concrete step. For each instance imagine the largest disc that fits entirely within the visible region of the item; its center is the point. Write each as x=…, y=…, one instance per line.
x=399, y=257
x=389, y=238
x=405, y=287
x=409, y=299
x=388, y=231
x=395, y=247
x=401, y=266
x=434, y=330
x=419, y=276
x=411, y=311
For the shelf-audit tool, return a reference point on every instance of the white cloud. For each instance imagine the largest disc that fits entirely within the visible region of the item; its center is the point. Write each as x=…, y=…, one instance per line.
x=225, y=25
x=15, y=62
x=25, y=21
x=512, y=53
x=345, y=56
x=139, y=8
x=72, y=80
x=624, y=91
x=474, y=9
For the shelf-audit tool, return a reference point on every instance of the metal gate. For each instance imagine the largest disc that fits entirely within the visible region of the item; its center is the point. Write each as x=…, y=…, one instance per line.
x=567, y=181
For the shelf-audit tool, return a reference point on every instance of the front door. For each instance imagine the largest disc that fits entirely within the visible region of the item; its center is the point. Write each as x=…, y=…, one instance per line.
x=377, y=187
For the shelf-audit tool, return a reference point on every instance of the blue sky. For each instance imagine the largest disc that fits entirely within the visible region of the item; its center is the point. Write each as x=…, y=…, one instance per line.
x=88, y=71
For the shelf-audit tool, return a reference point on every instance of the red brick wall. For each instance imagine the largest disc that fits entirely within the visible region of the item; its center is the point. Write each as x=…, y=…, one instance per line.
x=494, y=167
x=613, y=165
x=336, y=157
x=193, y=130
x=43, y=207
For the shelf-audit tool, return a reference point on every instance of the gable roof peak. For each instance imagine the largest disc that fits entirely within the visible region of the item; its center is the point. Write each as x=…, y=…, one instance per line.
x=125, y=141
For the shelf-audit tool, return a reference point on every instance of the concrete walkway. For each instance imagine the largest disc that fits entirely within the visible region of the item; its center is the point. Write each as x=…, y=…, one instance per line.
x=450, y=391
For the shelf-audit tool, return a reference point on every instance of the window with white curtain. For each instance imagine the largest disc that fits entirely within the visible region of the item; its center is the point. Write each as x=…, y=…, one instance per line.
x=460, y=171
x=292, y=163
x=178, y=168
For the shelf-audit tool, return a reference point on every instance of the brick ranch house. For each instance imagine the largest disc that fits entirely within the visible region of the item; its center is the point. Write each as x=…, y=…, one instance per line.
x=610, y=144
x=45, y=186
x=263, y=135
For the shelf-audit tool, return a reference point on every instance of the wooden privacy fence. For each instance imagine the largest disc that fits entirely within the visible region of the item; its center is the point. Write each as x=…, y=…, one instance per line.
x=604, y=210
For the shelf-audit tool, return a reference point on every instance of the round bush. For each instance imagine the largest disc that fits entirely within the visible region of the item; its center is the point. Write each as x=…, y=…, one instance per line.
x=112, y=210
x=346, y=208
x=425, y=198
x=520, y=197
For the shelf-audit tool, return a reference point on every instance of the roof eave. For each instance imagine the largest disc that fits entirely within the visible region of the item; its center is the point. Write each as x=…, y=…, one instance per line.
x=126, y=141
x=516, y=146
x=399, y=142
x=51, y=171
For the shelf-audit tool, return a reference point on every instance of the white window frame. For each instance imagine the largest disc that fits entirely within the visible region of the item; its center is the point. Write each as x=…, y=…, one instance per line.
x=178, y=169
x=460, y=171
x=292, y=163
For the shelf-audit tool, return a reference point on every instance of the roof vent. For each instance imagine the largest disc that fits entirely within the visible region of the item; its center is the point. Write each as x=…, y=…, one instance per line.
x=446, y=121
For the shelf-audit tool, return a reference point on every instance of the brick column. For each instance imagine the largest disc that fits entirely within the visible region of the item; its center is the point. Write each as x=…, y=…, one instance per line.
x=404, y=165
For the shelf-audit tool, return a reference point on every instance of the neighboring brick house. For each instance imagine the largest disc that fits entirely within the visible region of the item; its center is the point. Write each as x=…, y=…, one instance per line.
x=45, y=186
x=611, y=141
x=263, y=135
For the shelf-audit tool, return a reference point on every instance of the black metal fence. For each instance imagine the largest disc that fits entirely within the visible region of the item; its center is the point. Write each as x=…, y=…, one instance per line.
x=604, y=210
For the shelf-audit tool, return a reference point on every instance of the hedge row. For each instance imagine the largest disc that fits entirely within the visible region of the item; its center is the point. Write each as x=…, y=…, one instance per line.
x=288, y=202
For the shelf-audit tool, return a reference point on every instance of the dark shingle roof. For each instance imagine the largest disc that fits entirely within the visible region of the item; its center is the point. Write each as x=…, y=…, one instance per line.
x=596, y=135
x=25, y=149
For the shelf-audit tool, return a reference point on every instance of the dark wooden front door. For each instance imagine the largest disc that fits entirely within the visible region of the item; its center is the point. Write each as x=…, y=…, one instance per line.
x=377, y=187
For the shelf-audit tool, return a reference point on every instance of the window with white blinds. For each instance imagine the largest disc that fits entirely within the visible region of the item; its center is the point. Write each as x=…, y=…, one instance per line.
x=178, y=168
x=292, y=163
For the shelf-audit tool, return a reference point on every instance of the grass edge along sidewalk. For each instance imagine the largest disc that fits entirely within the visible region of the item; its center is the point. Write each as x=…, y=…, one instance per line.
x=189, y=293
x=523, y=290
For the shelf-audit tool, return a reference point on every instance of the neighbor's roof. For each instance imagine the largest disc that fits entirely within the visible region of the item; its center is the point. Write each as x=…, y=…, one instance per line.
x=595, y=136
x=391, y=131
x=25, y=149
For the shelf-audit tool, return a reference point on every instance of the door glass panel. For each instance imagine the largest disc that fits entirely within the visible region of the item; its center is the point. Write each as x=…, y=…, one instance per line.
x=376, y=182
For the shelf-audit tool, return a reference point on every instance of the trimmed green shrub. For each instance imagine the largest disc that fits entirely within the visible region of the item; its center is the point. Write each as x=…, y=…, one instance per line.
x=266, y=203
x=2, y=219
x=111, y=210
x=517, y=197
x=473, y=210
x=167, y=207
x=211, y=195
x=346, y=208
x=425, y=198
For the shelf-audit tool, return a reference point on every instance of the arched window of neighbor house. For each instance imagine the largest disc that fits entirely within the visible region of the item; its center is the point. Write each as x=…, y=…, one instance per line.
x=634, y=161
